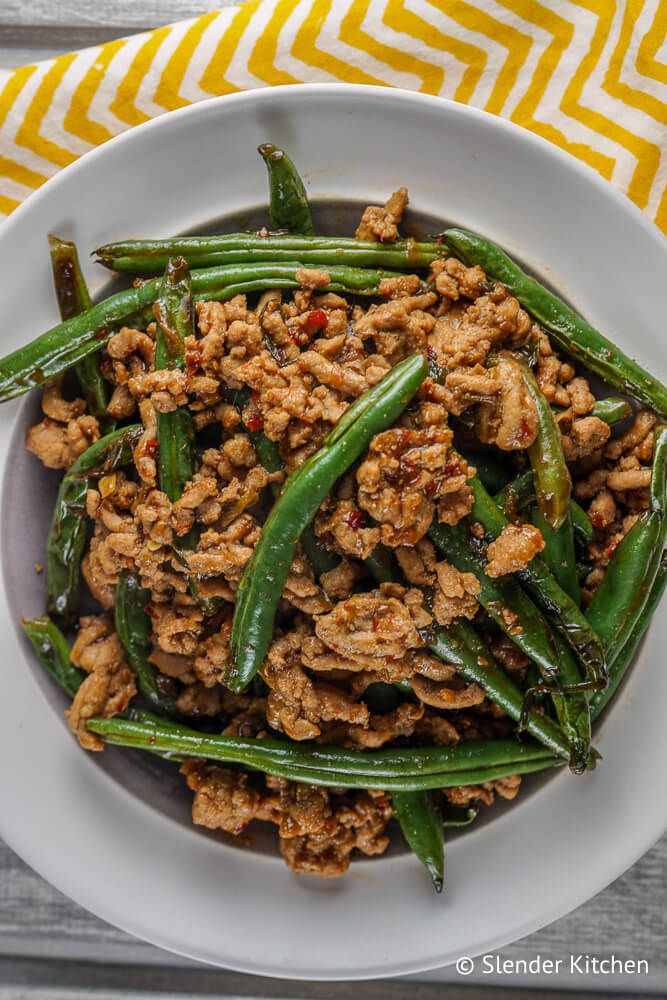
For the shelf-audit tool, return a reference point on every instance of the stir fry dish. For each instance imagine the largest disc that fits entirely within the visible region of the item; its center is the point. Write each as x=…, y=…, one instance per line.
x=370, y=527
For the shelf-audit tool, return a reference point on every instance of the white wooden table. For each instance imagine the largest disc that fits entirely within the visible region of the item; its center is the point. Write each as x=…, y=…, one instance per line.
x=50, y=948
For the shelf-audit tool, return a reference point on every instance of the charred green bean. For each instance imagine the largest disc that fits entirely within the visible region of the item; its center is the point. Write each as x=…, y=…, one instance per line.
x=553, y=486
x=612, y=410
x=288, y=202
x=74, y=298
x=422, y=828
x=629, y=578
x=516, y=615
x=265, y=574
x=546, y=592
x=151, y=256
x=175, y=431
x=69, y=526
x=68, y=343
x=460, y=645
x=410, y=769
x=566, y=328
x=133, y=625
x=53, y=652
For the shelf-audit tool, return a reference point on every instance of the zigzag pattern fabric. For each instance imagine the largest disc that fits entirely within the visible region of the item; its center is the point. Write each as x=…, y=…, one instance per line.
x=588, y=75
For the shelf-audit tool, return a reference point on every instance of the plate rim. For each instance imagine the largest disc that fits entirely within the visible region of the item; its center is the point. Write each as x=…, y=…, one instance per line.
x=640, y=845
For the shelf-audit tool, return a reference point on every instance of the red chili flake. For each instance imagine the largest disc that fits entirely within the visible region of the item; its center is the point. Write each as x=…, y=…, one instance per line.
x=430, y=487
x=356, y=519
x=47, y=422
x=315, y=321
x=609, y=551
x=383, y=806
x=597, y=519
x=526, y=429
x=452, y=467
x=193, y=359
x=403, y=440
x=98, y=510
x=254, y=395
x=150, y=610
x=428, y=389
x=254, y=423
x=106, y=367
x=151, y=447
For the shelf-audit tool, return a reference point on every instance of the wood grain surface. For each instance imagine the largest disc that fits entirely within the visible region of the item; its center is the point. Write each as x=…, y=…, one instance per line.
x=51, y=948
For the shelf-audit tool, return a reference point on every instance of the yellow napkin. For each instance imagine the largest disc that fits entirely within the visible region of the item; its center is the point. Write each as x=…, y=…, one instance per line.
x=590, y=76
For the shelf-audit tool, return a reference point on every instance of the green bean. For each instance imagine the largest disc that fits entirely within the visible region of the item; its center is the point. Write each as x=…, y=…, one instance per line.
x=383, y=763
x=64, y=345
x=460, y=645
x=268, y=453
x=518, y=494
x=175, y=430
x=265, y=574
x=133, y=626
x=65, y=546
x=382, y=698
x=626, y=654
x=74, y=298
x=515, y=495
x=546, y=592
x=658, y=486
x=612, y=410
x=378, y=564
x=289, y=209
x=151, y=256
x=565, y=327
x=491, y=469
x=422, y=827
x=553, y=486
x=458, y=816
x=320, y=559
x=53, y=653
x=223, y=292
x=108, y=453
x=288, y=202
x=516, y=615
x=66, y=540
x=581, y=523
x=583, y=570
x=629, y=578
x=559, y=553
x=410, y=769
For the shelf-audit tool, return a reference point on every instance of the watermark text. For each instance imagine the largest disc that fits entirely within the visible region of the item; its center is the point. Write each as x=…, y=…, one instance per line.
x=573, y=965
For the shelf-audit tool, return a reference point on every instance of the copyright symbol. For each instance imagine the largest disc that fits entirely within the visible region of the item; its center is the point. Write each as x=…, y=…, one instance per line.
x=464, y=966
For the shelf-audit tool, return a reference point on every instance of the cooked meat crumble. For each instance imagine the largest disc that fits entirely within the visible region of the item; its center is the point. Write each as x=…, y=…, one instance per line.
x=290, y=365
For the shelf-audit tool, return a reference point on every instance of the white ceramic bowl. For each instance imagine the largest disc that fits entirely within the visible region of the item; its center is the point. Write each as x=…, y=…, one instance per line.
x=89, y=824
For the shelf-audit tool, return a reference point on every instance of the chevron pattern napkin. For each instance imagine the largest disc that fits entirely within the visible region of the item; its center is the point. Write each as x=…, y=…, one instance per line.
x=588, y=75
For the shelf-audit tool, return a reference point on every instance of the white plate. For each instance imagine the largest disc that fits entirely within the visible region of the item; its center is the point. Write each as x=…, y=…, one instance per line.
x=110, y=847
